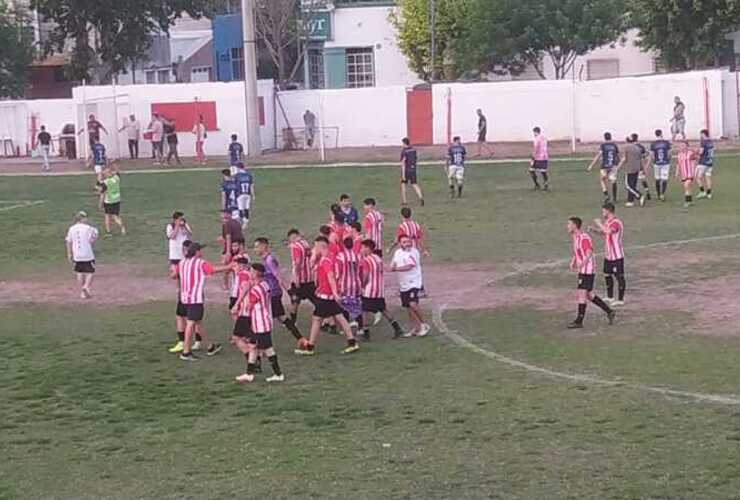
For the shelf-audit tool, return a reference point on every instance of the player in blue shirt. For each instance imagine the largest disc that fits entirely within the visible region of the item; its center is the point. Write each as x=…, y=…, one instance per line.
x=228, y=193
x=236, y=153
x=706, y=165
x=98, y=157
x=609, y=156
x=661, y=150
x=244, y=182
x=409, y=159
x=456, y=155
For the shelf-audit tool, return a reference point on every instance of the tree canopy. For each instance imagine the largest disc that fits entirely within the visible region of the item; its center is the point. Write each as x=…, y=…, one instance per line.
x=17, y=41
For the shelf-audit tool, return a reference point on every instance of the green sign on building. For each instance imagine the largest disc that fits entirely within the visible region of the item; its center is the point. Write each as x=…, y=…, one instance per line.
x=319, y=26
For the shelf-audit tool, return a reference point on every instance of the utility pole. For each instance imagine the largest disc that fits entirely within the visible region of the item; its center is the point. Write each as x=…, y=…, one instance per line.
x=251, y=99
x=433, y=31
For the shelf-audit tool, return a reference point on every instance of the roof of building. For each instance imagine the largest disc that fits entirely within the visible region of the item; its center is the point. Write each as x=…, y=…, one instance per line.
x=184, y=44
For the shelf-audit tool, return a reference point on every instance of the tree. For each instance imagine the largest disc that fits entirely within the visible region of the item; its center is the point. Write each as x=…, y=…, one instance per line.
x=689, y=34
x=17, y=42
x=110, y=32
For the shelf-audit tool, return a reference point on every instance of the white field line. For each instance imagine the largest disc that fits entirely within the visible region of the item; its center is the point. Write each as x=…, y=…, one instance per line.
x=438, y=317
x=24, y=204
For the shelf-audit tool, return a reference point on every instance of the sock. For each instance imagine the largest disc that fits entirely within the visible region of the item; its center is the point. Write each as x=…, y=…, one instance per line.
x=258, y=364
x=709, y=191
x=290, y=325
x=333, y=329
x=452, y=189
x=545, y=179
x=606, y=193
x=459, y=190
x=609, y=286
x=581, y=313
x=351, y=342
x=687, y=198
x=360, y=322
x=622, y=286
x=181, y=336
x=600, y=303
x=198, y=337
x=396, y=326
x=664, y=187
x=310, y=347
x=294, y=317
x=701, y=188
x=614, y=191
x=657, y=187
x=275, y=365
x=534, y=178
x=250, y=368
x=691, y=198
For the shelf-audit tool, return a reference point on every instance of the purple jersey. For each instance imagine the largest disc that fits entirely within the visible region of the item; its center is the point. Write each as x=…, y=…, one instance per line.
x=272, y=271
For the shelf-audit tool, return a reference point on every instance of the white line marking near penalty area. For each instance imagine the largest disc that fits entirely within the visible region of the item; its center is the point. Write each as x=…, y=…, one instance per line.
x=19, y=204
x=577, y=378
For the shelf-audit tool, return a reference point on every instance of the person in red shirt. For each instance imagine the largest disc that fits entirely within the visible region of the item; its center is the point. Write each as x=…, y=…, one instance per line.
x=242, y=323
x=373, y=288
x=373, y=224
x=328, y=301
x=303, y=277
x=355, y=232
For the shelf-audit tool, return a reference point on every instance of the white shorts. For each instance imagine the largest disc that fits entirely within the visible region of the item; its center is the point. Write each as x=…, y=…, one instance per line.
x=235, y=214
x=702, y=170
x=456, y=172
x=99, y=168
x=244, y=201
x=662, y=172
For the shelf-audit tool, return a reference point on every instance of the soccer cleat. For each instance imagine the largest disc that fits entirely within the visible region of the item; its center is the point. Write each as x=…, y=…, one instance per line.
x=608, y=300
x=350, y=349
x=661, y=197
x=424, y=330
x=546, y=188
x=397, y=334
x=702, y=194
x=421, y=202
x=177, y=348
x=188, y=356
x=197, y=345
x=536, y=187
x=629, y=204
x=244, y=378
x=304, y=352
x=409, y=334
x=575, y=325
x=709, y=196
x=617, y=303
x=686, y=204
x=214, y=349
x=610, y=316
x=276, y=378
x=377, y=318
x=83, y=295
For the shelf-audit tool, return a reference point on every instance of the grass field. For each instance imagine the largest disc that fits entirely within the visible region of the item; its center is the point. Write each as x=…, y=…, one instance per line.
x=95, y=407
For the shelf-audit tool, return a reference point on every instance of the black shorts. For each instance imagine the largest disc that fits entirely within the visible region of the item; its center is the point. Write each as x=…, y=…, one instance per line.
x=410, y=297
x=378, y=252
x=194, y=312
x=112, y=208
x=410, y=176
x=586, y=282
x=180, y=310
x=174, y=262
x=263, y=341
x=243, y=327
x=614, y=266
x=304, y=291
x=482, y=136
x=540, y=165
x=232, y=301
x=278, y=310
x=86, y=267
x=373, y=305
x=326, y=308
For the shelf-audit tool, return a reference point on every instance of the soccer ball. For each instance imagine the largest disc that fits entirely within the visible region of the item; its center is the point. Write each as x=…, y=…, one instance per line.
x=302, y=343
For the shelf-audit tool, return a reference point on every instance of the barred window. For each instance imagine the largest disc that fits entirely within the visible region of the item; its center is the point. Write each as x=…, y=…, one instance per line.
x=360, y=67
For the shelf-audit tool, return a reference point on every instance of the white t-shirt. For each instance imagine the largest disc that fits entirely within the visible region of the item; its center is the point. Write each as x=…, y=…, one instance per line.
x=133, y=130
x=82, y=236
x=176, y=243
x=411, y=278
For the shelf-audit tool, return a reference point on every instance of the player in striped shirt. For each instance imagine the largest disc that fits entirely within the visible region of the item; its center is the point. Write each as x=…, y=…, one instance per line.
x=257, y=305
x=410, y=228
x=686, y=170
x=540, y=160
x=242, y=322
x=355, y=232
x=347, y=267
x=583, y=263
x=612, y=229
x=193, y=271
x=303, y=280
x=237, y=252
x=373, y=224
x=373, y=288
x=181, y=315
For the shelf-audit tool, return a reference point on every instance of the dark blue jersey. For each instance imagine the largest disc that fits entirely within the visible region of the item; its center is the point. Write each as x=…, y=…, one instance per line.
x=706, y=155
x=409, y=158
x=351, y=216
x=609, y=155
x=243, y=181
x=457, y=155
x=98, y=154
x=661, y=152
x=229, y=189
x=236, y=152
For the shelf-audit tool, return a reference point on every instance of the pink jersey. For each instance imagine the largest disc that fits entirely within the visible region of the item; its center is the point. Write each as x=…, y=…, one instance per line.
x=540, y=148
x=583, y=253
x=371, y=270
x=260, y=307
x=374, y=227
x=300, y=254
x=686, y=162
x=192, y=273
x=614, y=239
x=347, y=269
x=243, y=281
x=412, y=230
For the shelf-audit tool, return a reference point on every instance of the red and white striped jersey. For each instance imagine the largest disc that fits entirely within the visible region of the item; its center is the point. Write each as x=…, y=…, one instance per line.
x=347, y=269
x=686, y=162
x=339, y=229
x=412, y=230
x=300, y=253
x=614, y=239
x=371, y=271
x=243, y=281
x=373, y=226
x=583, y=255
x=260, y=307
x=192, y=273
x=234, y=282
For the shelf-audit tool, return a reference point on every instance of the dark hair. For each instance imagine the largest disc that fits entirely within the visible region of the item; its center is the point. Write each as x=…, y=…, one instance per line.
x=177, y=215
x=609, y=206
x=634, y=137
x=577, y=221
x=292, y=232
x=339, y=217
x=343, y=197
x=334, y=207
x=456, y=138
x=259, y=268
x=325, y=230
x=233, y=137
x=238, y=240
x=607, y=136
x=369, y=201
x=321, y=239
x=349, y=243
x=242, y=260
x=262, y=240
x=658, y=132
x=226, y=171
x=369, y=244
x=186, y=243
x=704, y=132
x=356, y=226
x=537, y=129
x=406, y=141
x=406, y=212
x=191, y=251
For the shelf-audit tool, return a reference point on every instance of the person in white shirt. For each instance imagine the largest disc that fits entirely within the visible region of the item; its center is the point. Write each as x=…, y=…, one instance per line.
x=177, y=232
x=80, y=239
x=156, y=129
x=200, y=133
x=407, y=263
x=133, y=133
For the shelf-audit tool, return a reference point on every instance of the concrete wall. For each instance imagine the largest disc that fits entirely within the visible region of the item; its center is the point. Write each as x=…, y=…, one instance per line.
x=15, y=119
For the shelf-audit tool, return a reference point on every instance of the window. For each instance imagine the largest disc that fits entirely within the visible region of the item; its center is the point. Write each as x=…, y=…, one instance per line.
x=315, y=69
x=237, y=63
x=602, y=68
x=200, y=74
x=225, y=7
x=151, y=76
x=360, y=67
